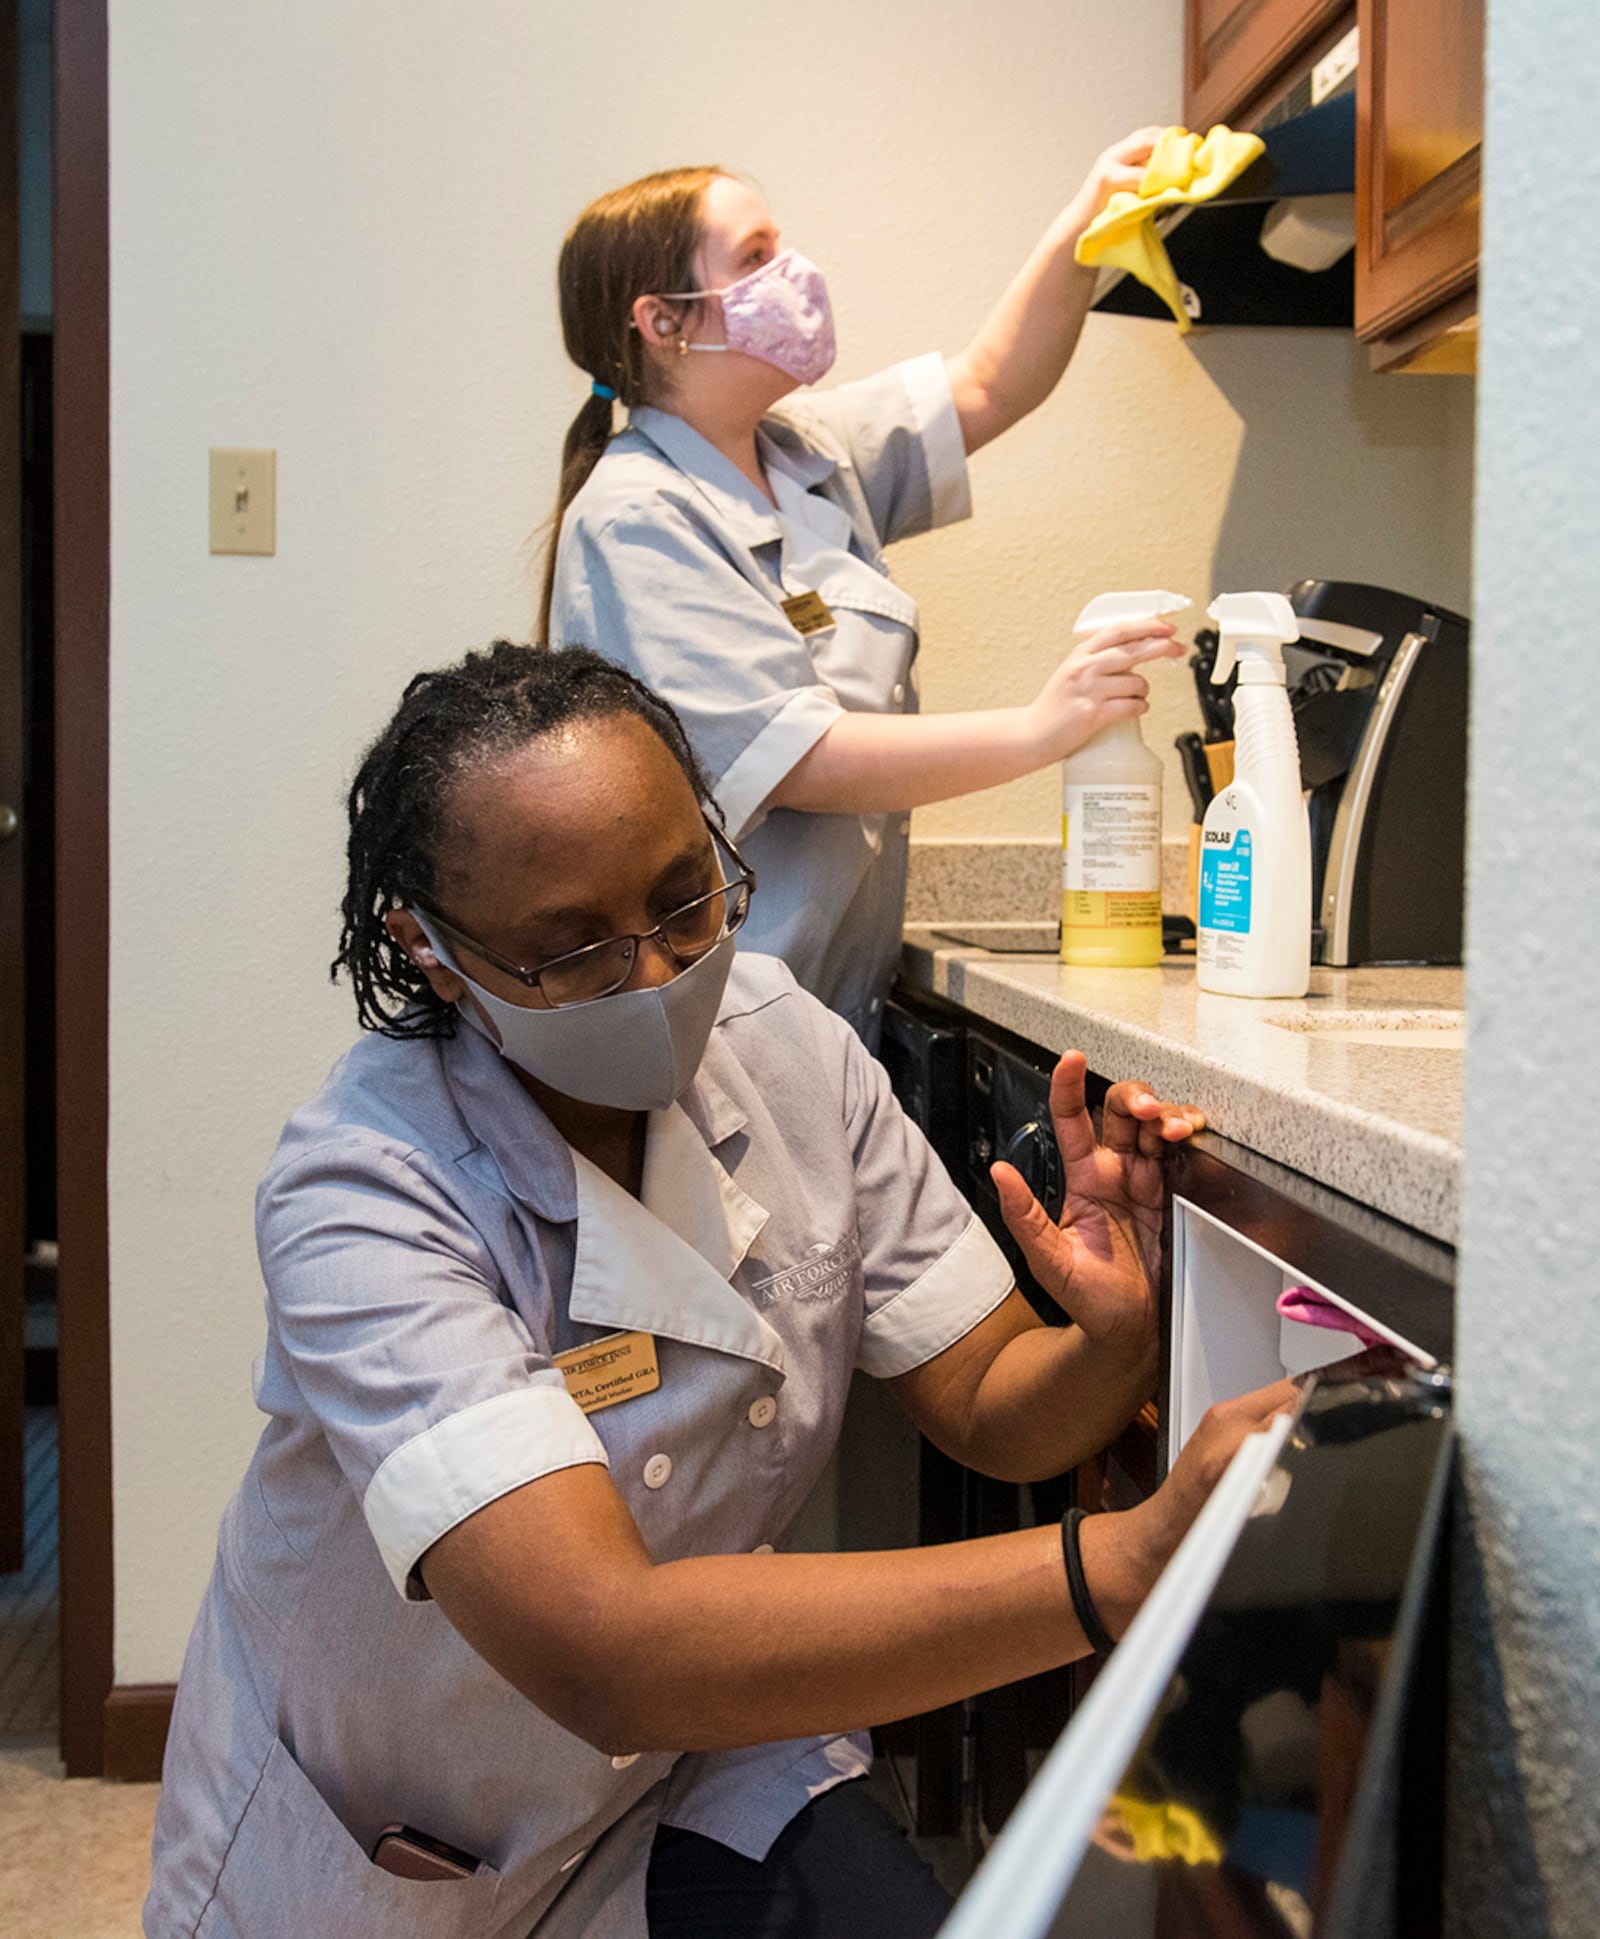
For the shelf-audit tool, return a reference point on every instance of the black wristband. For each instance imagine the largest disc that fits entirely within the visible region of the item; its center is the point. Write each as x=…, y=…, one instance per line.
x=1100, y=1639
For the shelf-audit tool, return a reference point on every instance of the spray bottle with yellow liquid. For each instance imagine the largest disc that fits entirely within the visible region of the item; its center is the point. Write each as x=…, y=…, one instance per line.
x=1111, y=824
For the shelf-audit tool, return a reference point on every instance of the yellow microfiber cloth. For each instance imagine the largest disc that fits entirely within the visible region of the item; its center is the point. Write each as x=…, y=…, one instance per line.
x=1165, y=1830
x=1182, y=168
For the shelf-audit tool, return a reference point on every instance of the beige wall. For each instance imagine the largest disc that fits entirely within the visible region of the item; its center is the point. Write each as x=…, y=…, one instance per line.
x=333, y=232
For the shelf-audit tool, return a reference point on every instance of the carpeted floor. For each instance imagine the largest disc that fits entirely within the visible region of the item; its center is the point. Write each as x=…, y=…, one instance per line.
x=74, y=1857
x=74, y=1853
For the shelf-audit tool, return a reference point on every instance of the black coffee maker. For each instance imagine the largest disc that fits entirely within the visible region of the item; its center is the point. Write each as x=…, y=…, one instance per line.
x=1378, y=684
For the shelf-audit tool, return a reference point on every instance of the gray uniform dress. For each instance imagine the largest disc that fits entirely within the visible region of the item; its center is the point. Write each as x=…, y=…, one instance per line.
x=673, y=564
x=429, y=1243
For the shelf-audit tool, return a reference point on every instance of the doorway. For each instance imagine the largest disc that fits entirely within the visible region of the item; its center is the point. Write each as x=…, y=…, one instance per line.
x=29, y=1653
x=54, y=618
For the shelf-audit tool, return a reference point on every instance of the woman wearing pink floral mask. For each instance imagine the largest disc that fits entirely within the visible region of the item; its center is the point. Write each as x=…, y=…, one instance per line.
x=726, y=544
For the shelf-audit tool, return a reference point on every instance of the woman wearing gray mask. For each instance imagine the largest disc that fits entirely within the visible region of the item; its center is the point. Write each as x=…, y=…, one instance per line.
x=727, y=544
x=568, y=1266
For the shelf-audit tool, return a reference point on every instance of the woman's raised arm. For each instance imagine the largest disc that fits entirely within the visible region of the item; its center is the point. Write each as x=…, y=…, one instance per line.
x=1025, y=343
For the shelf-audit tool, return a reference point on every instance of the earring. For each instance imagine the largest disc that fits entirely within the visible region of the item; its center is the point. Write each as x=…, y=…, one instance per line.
x=683, y=346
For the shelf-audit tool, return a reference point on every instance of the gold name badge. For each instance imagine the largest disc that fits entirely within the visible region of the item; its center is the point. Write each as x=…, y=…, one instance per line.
x=808, y=613
x=609, y=1370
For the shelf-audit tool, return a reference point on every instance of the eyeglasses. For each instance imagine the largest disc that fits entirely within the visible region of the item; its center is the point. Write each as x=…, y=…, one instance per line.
x=686, y=933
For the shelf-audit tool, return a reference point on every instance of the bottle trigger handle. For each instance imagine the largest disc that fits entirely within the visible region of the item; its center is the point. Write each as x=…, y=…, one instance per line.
x=1110, y=608
x=1264, y=621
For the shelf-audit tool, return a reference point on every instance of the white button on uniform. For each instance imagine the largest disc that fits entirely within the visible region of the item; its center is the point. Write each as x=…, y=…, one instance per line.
x=899, y=692
x=762, y=1548
x=905, y=824
x=658, y=1471
x=763, y=1413
x=568, y=1863
x=628, y=1757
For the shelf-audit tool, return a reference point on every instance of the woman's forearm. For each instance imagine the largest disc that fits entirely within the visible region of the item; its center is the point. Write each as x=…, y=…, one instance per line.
x=1050, y=1399
x=1020, y=1400
x=810, y=1644
x=1017, y=358
x=884, y=764
x=553, y=1586
x=715, y=1651
x=1024, y=345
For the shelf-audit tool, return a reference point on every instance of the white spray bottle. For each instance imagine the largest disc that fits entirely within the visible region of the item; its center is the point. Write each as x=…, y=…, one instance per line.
x=1255, y=845
x=1111, y=824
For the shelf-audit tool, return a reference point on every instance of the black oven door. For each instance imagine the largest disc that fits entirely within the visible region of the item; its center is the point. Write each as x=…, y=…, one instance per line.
x=1261, y=1756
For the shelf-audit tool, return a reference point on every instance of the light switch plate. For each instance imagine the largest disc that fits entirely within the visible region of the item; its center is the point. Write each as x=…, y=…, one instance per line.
x=244, y=501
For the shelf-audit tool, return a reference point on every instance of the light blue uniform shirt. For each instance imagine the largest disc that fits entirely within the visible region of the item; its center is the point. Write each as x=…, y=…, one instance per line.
x=429, y=1243
x=672, y=563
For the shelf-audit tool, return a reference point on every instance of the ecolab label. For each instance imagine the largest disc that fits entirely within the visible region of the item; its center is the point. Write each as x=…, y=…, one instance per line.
x=1225, y=880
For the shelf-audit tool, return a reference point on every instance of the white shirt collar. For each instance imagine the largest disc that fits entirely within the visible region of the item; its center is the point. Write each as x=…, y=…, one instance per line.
x=638, y=1268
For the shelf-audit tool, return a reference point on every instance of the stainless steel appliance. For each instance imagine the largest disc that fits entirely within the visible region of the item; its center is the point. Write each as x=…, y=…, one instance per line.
x=1378, y=683
x=1261, y=1757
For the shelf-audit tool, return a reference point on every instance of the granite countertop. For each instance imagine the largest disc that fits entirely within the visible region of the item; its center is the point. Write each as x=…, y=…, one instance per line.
x=1326, y=1084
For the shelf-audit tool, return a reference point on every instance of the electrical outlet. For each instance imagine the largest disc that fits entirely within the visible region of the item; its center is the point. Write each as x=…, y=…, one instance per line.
x=244, y=501
x=1335, y=66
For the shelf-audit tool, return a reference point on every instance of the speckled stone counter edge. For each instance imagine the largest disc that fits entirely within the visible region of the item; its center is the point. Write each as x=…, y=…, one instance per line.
x=1009, y=881
x=1408, y=1174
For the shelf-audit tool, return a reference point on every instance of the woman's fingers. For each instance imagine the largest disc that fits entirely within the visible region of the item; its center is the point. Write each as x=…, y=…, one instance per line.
x=1116, y=656
x=1223, y=1430
x=1122, y=686
x=1030, y=1225
x=1124, y=635
x=1131, y=154
x=1261, y=1404
x=1069, y=1108
x=1135, y=1119
x=1145, y=138
x=1371, y=1363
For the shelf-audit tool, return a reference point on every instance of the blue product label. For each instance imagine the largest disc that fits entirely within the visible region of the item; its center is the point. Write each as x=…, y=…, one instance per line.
x=1225, y=884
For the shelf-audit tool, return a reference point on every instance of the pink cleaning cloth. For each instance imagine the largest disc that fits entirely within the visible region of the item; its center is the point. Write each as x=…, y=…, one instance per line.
x=1311, y=1308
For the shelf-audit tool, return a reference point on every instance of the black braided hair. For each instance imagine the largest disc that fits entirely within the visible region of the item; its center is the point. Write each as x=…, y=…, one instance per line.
x=449, y=722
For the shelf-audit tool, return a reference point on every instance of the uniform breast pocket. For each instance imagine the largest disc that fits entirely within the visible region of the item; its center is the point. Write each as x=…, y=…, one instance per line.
x=294, y=1871
x=825, y=1276
x=866, y=658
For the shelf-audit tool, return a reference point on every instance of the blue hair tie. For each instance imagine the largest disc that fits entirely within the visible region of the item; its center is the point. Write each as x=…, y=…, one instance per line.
x=605, y=391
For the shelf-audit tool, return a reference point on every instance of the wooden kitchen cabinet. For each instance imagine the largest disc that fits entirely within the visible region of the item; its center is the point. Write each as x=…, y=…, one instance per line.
x=1419, y=146
x=1233, y=49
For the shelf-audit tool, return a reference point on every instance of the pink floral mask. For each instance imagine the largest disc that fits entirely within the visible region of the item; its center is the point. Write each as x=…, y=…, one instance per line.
x=779, y=313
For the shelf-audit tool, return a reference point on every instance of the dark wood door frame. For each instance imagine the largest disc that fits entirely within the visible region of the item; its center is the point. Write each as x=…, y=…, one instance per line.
x=80, y=250
x=13, y=840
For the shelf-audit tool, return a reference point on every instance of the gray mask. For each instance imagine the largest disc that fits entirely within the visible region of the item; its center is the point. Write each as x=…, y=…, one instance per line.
x=635, y=1051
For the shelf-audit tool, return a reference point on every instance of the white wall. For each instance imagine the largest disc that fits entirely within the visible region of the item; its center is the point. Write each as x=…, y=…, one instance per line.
x=1525, y=1838
x=333, y=232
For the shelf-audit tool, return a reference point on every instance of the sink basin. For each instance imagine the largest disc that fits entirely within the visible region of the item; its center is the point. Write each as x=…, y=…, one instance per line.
x=1395, y=1029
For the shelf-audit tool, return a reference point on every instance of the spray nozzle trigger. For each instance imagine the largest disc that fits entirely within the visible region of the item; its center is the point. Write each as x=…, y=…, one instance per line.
x=1110, y=608
x=1260, y=622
